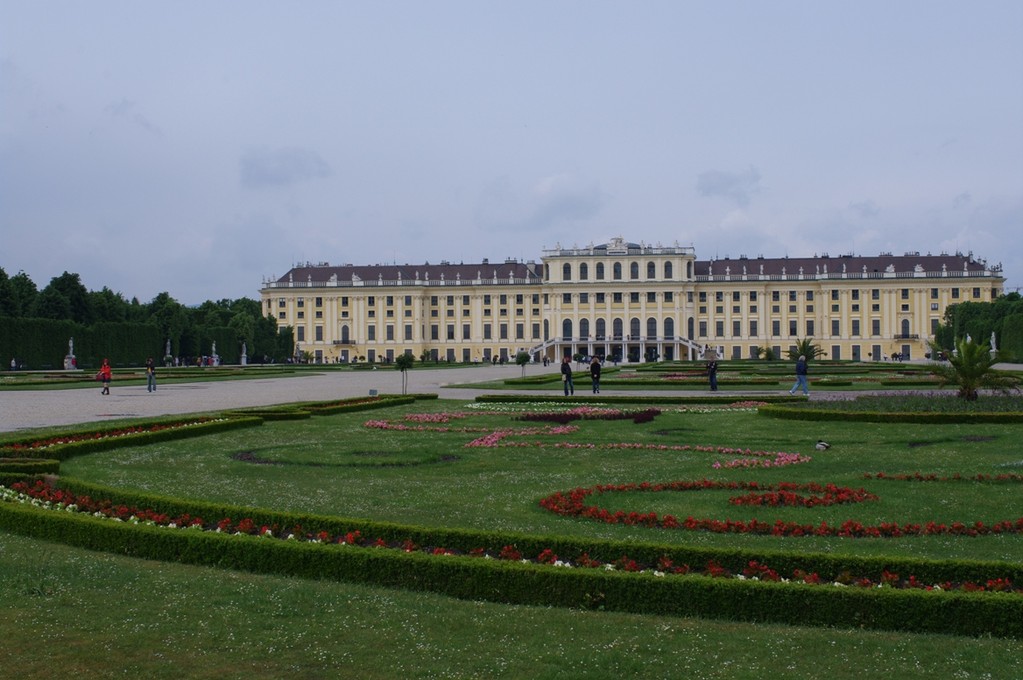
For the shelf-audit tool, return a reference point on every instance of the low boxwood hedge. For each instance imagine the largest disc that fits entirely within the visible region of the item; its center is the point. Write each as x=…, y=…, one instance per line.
x=30, y=466
x=518, y=583
x=816, y=413
x=105, y=439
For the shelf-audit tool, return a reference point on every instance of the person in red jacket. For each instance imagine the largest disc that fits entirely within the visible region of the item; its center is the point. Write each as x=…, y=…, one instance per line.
x=104, y=376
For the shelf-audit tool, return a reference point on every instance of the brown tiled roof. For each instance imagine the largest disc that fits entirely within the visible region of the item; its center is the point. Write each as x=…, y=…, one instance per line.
x=410, y=272
x=834, y=265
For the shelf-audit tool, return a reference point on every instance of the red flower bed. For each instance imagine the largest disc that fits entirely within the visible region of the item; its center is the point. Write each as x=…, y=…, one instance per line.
x=58, y=499
x=575, y=504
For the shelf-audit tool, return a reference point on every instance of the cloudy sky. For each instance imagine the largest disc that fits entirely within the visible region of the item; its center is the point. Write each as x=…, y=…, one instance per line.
x=200, y=147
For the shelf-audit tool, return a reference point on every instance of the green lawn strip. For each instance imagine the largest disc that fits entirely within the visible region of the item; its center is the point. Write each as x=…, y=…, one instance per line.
x=107, y=615
x=512, y=582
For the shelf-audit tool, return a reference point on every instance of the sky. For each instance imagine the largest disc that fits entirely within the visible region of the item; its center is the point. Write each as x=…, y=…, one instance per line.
x=200, y=148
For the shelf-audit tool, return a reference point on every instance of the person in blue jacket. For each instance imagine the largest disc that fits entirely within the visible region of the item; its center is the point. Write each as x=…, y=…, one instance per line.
x=801, y=377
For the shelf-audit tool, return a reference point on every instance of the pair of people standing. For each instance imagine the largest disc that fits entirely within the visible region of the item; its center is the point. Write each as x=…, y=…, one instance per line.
x=566, y=375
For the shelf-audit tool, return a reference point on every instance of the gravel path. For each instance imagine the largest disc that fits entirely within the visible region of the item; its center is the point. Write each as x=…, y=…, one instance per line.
x=21, y=410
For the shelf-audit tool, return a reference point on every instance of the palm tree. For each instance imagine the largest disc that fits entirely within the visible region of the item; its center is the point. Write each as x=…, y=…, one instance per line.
x=806, y=348
x=970, y=368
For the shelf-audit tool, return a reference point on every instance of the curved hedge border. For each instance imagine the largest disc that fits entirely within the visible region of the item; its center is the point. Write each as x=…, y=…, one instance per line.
x=819, y=414
x=109, y=438
x=29, y=466
x=668, y=398
x=527, y=583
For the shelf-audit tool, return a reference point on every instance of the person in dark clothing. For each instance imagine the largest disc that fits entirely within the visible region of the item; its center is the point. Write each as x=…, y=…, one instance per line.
x=150, y=375
x=566, y=376
x=712, y=374
x=801, y=372
x=595, y=374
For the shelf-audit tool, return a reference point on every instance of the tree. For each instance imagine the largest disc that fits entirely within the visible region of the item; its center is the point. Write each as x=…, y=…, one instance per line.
x=806, y=348
x=8, y=305
x=971, y=369
x=522, y=358
x=70, y=287
x=403, y=362
x=24, y=292
x=108, y=305
x=51, y=304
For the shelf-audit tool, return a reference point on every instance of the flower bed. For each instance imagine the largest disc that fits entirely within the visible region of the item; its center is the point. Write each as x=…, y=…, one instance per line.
x=43, y=496
x=575, y=503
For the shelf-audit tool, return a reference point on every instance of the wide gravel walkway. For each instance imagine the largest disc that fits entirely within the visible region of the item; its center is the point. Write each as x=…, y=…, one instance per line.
x=21, y=410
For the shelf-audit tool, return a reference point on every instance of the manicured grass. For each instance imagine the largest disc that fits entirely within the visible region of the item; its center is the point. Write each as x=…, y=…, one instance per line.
x=104, y=615
x=64, y=610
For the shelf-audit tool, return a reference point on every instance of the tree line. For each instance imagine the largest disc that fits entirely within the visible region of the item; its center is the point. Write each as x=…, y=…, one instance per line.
x=37, y=325
x=978, y=320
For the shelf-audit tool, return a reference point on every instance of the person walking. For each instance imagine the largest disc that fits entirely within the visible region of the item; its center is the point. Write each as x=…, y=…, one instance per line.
x=104, y=376
x=801, y=372
x=150, y=375
x=566, y=376
x=712, y=374
x=595, y=374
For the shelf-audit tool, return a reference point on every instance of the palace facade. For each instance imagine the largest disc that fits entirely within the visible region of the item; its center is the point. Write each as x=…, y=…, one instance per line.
x=628, y=301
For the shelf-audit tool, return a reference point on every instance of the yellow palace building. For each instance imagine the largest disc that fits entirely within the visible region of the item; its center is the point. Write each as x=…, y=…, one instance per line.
x=625, y=301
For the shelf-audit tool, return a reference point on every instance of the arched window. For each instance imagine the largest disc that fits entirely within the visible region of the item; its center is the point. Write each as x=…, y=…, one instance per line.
x=669, y=327
x=651, y=328
x=905, y=328
x=616, y=329
x=546, y=330
x=601, y=329
x=566, y=328
x=344, y=334
x=566, y=272
x=691, y=328
x=634, y=328
x=634, y=270
x=600, y=271
x=689, y=270
x=651, y=270
x=669, y=271
x=616, y=271
x=584, y=328
x=584, y=272
x=546, y=272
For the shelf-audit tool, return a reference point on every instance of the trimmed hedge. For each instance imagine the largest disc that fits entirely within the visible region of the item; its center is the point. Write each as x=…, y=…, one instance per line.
x=830, y=566
x=668, y=398
x=517, y=583
x=106, y=443
x=821, y=414
x=30, y=466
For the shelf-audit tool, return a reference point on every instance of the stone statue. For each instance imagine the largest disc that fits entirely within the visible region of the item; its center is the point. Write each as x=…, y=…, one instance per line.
x=994, y=348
